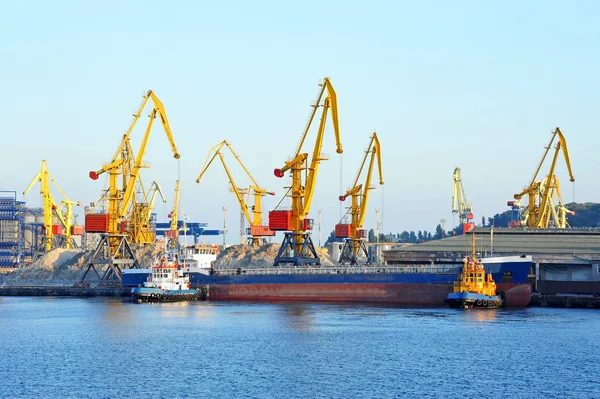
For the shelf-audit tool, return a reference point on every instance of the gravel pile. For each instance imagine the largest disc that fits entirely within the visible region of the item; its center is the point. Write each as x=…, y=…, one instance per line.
x=247, y=256
x=61, y=267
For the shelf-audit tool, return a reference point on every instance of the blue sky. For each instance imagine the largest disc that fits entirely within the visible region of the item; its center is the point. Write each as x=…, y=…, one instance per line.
x=479, y=85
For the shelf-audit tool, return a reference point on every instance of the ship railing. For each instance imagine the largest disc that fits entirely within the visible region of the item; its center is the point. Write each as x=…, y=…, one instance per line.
x=408, y=269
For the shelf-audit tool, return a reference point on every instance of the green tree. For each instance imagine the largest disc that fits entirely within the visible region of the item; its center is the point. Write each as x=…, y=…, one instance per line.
x=405, y=236
x=412, y=237
x=372, y=237
x=438, y=232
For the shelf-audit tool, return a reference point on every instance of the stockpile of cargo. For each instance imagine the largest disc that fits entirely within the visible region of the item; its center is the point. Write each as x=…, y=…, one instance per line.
x=249, y=256
x=57, y=267
x=64, y=267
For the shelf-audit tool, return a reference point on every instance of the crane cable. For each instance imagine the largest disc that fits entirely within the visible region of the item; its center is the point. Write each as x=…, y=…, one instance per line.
x=341, y=185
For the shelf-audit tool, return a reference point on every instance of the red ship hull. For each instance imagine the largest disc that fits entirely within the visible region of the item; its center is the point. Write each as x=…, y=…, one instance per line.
x=398, y=293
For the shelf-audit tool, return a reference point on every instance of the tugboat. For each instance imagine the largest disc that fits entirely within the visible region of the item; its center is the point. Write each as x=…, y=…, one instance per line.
x=474, y=288
x=166, y=283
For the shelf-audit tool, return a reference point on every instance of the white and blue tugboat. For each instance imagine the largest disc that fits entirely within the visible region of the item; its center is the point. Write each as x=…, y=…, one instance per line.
x=166, y=283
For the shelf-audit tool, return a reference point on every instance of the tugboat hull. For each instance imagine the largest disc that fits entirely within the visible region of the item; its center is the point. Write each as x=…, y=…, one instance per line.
x=144, y=294
x=469, y=300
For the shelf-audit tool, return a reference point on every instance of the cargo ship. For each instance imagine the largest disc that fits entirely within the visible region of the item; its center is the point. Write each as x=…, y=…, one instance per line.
x=399, y=284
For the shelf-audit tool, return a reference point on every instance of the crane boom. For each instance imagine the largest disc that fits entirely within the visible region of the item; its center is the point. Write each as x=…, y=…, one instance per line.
x=297, y=244
x=302, y=197
x=540, y=206
x=256, y=229
x=174, y=215
x=51, y=207
x=175, y=210
x=353, y=233
x=460, y=204
x=124, y=162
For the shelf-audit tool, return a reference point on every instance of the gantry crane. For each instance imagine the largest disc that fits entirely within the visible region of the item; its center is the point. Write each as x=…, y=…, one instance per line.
x=257, y=231
x=540, y=194
x=173, y=233
x=297, y=246
x=353, y=234
x=53, y=233
x=113, y=248
x=460, y=204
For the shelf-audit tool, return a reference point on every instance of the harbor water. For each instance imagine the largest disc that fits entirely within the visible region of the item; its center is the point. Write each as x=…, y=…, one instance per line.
x=110, y=348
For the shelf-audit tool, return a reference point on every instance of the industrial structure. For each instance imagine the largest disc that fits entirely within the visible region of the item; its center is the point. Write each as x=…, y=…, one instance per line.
x=545, y=207
x=12, y=241
x=194, y=230
x=257, y=231
x=56, y=235
x=353, y=233
x=564, y=260
x=125, y=220
x=297, y=247
x=460, y=205
x=173, y=232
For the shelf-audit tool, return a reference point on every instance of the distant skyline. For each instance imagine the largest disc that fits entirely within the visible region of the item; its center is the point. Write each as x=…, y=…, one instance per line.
x=478, y=85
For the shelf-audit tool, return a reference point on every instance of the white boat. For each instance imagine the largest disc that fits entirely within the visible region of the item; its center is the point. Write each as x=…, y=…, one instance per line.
x=166, y=283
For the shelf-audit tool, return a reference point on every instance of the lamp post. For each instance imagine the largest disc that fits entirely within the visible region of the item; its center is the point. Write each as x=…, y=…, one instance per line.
x=319, y=228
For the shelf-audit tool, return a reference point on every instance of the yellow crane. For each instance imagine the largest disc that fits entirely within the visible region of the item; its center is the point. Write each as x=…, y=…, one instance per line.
x=140, y=221
x=460, y=204
x=153, y=192
x=297, y=246
x=353, y=233
x=257, y=231
x=114, y=244
x=539, y=209
x=51, y=231
x=173, y=233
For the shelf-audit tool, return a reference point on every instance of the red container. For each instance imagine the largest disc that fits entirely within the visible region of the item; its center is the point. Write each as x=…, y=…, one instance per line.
x=468, y=227
x=57, y=229
x=96, y=222
x=171, y=233
x=77, y=230
x=280, y=220
x=261, y=231
x=343, y=230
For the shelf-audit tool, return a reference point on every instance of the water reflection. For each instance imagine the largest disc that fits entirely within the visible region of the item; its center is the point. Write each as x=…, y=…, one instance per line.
x=298, y=316
x=122, y=313
x=481, y=315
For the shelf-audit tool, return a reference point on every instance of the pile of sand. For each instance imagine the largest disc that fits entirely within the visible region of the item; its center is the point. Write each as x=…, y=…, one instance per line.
x=57, y=267
x=247, y=256
x=66, y=266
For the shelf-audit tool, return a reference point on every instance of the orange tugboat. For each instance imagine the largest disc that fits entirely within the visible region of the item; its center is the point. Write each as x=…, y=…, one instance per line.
x=474, y=288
